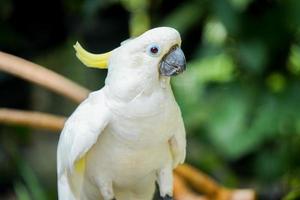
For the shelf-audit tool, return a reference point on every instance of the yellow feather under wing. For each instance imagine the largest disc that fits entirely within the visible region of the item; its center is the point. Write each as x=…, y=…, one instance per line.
x=80, y=165
x=76, y=177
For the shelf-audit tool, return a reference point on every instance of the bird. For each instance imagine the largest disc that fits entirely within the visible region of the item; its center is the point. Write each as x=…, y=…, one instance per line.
x=129, y=135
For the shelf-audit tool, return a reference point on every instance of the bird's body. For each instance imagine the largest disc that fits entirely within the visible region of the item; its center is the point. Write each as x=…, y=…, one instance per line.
x=122, y=139
x=135, y=131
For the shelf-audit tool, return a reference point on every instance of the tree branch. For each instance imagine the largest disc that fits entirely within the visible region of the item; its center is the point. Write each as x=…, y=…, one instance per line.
x=204, y=184
x=42, y=76
x=31, y=119
x=199, y=180
x=182, y=192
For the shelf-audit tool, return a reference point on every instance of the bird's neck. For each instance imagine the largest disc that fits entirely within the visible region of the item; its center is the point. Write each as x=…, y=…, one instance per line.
x=142, y=102
x=126, y=90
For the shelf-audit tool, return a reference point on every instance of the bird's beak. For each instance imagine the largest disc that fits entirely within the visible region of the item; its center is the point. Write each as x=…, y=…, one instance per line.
x=90, y=59
x=173, y=63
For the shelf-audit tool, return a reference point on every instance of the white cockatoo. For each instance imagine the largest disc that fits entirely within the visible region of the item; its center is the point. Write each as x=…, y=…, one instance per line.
x=130, y=133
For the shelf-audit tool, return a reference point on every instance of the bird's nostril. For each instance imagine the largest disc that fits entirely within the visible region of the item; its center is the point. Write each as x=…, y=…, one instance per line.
x=173, y=48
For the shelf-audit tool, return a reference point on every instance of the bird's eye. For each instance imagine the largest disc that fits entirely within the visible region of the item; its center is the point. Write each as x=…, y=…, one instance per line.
x=153, y=50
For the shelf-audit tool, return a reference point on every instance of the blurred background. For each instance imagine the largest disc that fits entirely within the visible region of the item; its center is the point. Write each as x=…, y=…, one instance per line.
x=240, y=96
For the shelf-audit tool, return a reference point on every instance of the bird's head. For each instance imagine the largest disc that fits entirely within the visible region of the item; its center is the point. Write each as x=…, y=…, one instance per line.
x=154, y=54
x=157, y=49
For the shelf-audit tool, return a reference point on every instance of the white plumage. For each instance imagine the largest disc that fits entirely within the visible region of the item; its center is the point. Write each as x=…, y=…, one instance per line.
x=127, y=135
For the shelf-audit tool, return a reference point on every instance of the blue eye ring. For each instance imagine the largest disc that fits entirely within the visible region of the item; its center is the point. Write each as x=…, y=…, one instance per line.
x=153, y=50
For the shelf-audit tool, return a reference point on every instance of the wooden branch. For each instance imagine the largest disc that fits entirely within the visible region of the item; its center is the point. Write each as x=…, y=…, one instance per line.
x=42, y=76
x=204, y=184
x=31, y=119
x=182, y=192
x=199, y=180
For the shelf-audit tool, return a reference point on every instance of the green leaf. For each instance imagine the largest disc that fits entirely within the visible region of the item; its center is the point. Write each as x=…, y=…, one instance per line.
x=32, y=182
x=294, y=60
x=184, y=16
x=22, y=192
x=215, y=32
x=217, y=68
x=253, y=56
x=240, y=5
x=228, y=119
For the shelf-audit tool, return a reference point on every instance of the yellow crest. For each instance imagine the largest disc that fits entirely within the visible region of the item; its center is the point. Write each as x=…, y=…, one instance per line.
x=90, y=59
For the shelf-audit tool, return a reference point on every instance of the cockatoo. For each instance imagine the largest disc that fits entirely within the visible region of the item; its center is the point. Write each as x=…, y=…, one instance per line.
x=130, y=134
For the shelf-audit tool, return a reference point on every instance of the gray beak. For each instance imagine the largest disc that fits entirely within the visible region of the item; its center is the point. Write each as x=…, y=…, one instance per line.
x=173, y=63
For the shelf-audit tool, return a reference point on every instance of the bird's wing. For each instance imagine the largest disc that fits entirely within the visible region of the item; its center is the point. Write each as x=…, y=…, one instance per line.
x=178, y=140
x=80, y=133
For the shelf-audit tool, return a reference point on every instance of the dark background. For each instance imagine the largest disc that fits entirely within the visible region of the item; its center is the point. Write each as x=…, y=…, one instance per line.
x=240, y=96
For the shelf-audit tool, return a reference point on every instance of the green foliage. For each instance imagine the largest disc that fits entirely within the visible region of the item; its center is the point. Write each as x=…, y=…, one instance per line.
x=30, y=190
x=241, y=91
x=140, y=20
x=33, y=187
x=184, y=16
x=21, y=192
x=294, y=60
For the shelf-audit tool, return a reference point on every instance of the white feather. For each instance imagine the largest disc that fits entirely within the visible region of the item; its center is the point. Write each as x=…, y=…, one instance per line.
x=80, y=133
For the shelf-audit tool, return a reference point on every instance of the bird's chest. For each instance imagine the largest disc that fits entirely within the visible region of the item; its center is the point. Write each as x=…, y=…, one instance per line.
x=144, y=123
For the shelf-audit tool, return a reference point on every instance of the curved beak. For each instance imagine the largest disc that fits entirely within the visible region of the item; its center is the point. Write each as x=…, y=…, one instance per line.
x=173, y=63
